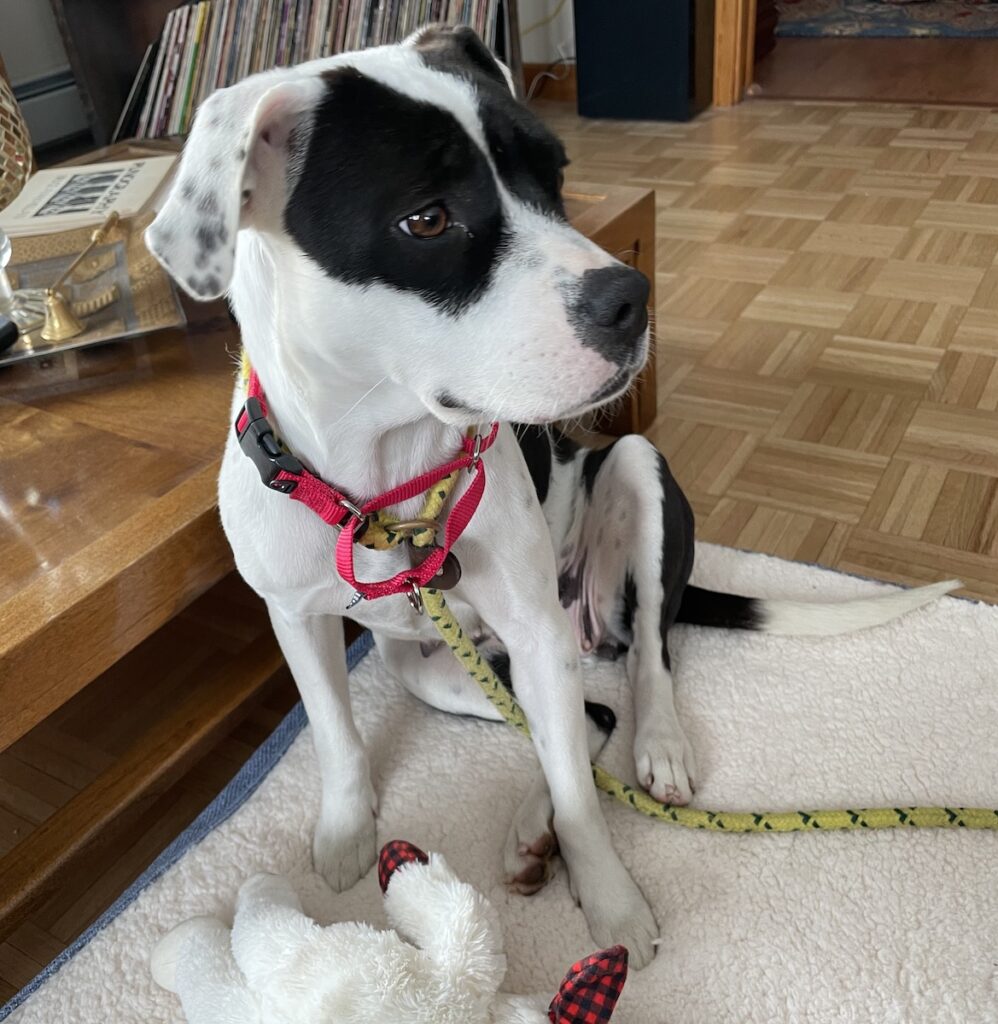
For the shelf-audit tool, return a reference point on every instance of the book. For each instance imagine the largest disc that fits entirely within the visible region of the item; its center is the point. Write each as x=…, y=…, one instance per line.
x=154, y=81
x=185, y=42
x=172, y=70
x=178, y=124
x=64, y=198
x=130, y=112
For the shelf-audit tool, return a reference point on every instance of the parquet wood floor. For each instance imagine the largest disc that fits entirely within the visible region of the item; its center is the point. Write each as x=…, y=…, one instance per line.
x=827, y=326
x=828, y=377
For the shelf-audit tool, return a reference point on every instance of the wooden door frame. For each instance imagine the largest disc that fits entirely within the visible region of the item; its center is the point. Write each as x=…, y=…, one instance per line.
x=734, y=50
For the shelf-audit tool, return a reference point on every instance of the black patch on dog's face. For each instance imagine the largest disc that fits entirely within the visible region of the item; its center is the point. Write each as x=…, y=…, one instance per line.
x=458, y=50
x=528, y=157
x=373, y=157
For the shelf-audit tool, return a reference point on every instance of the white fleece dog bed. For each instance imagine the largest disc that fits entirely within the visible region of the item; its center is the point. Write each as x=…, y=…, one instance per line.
x=896, y=927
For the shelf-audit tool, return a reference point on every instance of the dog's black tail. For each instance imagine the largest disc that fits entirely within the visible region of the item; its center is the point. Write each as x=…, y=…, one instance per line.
x=701, y=607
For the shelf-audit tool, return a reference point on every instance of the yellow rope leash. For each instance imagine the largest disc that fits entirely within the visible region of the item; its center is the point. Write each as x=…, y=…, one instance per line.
x=689, y=817
x=381, y=534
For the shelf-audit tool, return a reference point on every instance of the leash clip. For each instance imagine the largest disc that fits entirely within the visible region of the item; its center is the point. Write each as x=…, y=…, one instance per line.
x=414, y=596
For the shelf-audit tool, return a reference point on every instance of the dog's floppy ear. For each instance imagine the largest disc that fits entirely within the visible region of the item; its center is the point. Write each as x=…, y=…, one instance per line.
x=460, y=51
x=233, y=165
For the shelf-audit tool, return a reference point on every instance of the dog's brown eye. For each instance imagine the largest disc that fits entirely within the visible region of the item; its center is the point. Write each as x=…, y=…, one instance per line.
x=426, y=223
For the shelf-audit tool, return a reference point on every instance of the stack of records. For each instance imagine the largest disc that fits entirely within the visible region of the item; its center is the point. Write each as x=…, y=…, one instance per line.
x=205, y=46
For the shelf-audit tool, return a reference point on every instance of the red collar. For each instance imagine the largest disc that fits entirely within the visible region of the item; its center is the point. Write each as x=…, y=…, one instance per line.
x=281, y=471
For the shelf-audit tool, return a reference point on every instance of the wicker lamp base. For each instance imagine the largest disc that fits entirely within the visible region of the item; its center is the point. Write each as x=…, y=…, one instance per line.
x=16, y=166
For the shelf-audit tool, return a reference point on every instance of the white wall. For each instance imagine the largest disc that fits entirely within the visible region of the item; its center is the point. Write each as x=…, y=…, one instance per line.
x=551, y=41
x=29, y=40
x=32, y=48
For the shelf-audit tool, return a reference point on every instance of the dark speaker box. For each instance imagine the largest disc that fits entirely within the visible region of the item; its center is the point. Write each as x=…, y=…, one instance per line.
x=644, y=60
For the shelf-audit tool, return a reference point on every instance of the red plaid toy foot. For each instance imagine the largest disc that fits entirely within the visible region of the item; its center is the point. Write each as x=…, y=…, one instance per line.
x=393, y=856
x=591, y=989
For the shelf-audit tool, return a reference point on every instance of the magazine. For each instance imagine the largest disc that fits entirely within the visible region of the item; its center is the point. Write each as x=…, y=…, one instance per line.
x=65, y=198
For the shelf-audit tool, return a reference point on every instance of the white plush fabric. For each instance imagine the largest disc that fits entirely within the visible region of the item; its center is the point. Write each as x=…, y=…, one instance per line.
x=895, y=927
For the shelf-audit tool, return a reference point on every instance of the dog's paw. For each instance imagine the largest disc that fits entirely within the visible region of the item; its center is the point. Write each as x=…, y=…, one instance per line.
x=530, y=863
x=618, y=913
x=344, y=848
x=531, y=846
x=665, y=764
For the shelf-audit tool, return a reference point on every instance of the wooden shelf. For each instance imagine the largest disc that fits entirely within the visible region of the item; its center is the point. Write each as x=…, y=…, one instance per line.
x=138, y=728
x=106, y=40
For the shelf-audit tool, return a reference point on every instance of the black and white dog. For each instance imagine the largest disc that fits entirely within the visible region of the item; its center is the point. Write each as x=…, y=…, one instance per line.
x=389, y=228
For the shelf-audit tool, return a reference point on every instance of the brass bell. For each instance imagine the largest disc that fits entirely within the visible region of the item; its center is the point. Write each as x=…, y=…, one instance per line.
x=61, y=323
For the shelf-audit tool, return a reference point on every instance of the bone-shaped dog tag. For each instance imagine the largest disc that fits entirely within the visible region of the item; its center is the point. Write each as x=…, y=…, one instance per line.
x=447, y=576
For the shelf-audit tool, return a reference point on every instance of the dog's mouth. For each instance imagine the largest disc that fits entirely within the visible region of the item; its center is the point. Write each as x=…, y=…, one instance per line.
x=450, y=408
x=614, y=387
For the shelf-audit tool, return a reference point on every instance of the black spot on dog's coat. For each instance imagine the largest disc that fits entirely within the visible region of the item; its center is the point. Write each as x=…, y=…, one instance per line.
x=591, y=466
x=564, y=447
x=536, y=448
x=204, y=286
x=603, y=717
x=209, y=237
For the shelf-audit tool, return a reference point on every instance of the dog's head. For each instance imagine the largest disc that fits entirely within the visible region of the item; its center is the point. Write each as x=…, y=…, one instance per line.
x=407, y=215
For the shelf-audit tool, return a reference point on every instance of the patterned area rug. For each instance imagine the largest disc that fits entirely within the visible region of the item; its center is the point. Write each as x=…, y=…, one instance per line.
x=970, y=19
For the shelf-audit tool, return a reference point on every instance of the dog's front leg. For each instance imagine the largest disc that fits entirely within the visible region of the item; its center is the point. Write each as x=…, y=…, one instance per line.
x=546, y=674
x=345, y=845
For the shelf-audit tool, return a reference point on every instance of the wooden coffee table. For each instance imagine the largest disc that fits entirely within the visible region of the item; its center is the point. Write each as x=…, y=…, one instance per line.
x=109, y=529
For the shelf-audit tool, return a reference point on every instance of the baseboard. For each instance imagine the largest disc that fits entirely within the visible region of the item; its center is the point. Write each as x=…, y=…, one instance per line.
x=564, y=89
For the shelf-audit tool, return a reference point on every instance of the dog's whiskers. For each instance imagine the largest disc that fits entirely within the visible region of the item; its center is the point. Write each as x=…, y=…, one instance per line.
x=369, y=391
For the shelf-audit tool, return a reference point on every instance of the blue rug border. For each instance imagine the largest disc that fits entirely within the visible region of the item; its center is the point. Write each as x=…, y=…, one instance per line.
x=240, y=788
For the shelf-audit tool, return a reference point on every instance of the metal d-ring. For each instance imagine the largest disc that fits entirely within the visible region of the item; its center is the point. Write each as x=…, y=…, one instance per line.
x=476, y=454
x=362, y=520
x=414, y=596
x=352, y=509
x=413, y=526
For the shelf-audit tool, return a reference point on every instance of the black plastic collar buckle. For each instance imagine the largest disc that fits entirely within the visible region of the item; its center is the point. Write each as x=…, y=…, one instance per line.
x=258, y=441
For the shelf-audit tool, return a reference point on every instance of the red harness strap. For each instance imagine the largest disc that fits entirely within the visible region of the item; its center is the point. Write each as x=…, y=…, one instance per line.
x=281, y=471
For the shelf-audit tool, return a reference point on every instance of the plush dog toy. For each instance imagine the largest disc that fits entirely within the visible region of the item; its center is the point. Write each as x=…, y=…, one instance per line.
x=443, y=964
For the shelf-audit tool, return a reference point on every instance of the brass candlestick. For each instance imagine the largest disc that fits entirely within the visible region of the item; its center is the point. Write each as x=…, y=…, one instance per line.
x=61, y=323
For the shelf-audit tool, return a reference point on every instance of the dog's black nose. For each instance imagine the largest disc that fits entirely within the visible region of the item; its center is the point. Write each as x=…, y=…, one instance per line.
x=611, y=310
